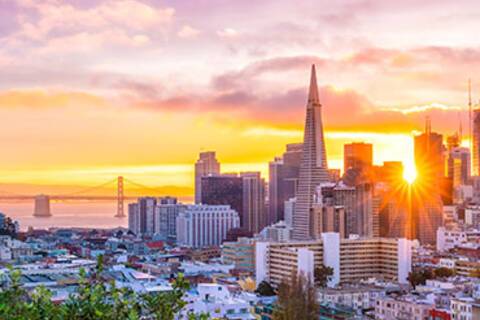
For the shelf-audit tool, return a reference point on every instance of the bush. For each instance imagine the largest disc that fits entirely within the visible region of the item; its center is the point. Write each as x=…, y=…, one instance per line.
x=94, y=299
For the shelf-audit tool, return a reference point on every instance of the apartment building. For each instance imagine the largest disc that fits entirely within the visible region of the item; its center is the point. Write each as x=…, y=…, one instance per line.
x=351, y=259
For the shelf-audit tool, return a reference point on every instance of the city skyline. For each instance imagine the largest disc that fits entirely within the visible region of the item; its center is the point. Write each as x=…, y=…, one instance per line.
x=121, y=104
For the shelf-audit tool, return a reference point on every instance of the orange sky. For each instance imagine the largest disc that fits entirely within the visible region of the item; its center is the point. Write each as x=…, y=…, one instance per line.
x=94, y=89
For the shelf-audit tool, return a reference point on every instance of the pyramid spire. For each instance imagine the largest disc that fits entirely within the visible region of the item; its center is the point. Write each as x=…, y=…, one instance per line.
x=313, y=91
x=313, y=166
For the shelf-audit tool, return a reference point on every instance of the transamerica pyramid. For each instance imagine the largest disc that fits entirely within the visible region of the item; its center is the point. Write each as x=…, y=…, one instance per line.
x=313, y=167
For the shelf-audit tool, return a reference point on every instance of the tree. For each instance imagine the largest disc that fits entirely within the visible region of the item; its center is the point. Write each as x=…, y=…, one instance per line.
x=296, y=300
x=265, y=289
x=419, y=277
x=322, y=274
x=95, y=299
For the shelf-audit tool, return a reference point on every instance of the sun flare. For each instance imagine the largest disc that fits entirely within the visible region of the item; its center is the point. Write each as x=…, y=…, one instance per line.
x=409, y=173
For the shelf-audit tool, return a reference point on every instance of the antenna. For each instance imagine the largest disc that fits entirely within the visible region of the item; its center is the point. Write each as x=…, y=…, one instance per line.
x=460, y=129
x=428, y=125
x=470, y=132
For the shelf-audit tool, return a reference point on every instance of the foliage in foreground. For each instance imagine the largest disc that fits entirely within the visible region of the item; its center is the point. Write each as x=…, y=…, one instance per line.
x=94, y=299
x=296, y=300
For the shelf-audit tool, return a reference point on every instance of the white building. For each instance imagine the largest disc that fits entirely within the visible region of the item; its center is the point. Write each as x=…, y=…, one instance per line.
x=403, y=307
x=472, y=216
x=356, y=297
x=351, y=259
x=455, y=237
x=278, y=232
x=218, y=302
x=205, y=225
x=465, y=308
x=165, y=218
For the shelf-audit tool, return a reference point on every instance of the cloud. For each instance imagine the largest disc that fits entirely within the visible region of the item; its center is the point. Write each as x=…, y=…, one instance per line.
x=188, y=32
x=53, y=25
x=227, y=33
x=39, y=99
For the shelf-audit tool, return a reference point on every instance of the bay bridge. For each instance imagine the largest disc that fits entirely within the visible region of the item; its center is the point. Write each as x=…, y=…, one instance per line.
x=89, y=194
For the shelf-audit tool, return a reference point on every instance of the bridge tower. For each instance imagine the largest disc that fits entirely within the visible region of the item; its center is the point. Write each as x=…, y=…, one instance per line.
x=120, y=198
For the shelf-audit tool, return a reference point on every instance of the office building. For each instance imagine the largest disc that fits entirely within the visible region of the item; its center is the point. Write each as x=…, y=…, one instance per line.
x=357, y=155
x=207, y=164
x=459, y=166
x=476, y=141
x=240, y=253
x=313, y=166
x=277, y=232
x=141, y=216
x=352, y=260
x=225, y=189
x=205, y=225
x=283, y=181
x=429, y=155
x=165, y=218
x=429, y=187
x=288, y=209
x=253, y=201
x=326, y=216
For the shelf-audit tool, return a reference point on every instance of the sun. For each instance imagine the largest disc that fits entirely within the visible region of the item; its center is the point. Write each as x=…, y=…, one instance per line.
x=409, y=172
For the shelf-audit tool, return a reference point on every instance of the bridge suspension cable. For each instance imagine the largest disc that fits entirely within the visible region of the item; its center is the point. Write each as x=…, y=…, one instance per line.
x=155, y=189
x=89, y=189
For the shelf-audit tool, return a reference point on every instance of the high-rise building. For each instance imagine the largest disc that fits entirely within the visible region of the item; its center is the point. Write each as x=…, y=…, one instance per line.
x=357, y=155
x=205, y=225
x=351, y=259
x=253, y=201
x=206, y=164
x=283, y=180
x=476, y=141
x=313, y=167
x=141, y=216
x=459, y=166
x=166, y=213
x=429, y=186
x=225, y=189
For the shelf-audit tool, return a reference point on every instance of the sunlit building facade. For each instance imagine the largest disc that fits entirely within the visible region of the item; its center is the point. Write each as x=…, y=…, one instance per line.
x=357, y=155
x=476, y=141
x=207, y=164
x=427, y=203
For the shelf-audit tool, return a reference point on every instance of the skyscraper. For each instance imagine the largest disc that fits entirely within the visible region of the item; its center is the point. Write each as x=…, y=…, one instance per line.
x=476, y=141
x=166, y=213
x=429, y=155
x=283, y=180
x=429, y=186
x=206, y=164
x=225, y=189
x=141, y=216
x=313, y=167
x=253, y=201
x=357, y=155
x=459, y=160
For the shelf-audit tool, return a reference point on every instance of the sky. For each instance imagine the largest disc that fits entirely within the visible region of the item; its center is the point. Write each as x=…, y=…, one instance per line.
x=94, y=89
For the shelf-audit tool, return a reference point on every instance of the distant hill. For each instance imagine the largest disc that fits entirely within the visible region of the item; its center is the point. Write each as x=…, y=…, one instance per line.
x=33, y=189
